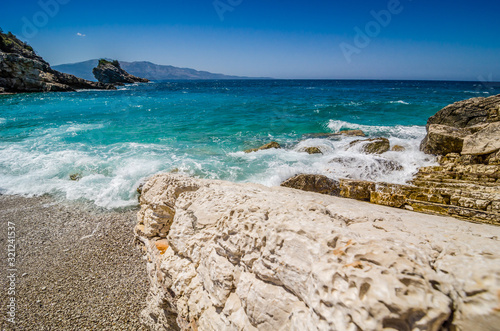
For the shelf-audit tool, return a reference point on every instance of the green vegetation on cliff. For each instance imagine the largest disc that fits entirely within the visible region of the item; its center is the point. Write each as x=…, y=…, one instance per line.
x=10, y=43
x=115, y=63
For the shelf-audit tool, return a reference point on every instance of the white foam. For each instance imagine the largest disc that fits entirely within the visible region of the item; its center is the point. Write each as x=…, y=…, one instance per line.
x=400, y=102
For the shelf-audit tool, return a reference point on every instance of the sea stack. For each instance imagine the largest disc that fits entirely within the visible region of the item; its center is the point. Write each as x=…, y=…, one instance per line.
x=22, y=70
x=110, y=72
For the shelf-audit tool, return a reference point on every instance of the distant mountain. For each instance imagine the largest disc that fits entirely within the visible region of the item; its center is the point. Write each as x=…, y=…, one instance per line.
x=143, y=69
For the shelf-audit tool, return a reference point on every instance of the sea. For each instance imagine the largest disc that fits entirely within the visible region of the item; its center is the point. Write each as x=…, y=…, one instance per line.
x=111, y=141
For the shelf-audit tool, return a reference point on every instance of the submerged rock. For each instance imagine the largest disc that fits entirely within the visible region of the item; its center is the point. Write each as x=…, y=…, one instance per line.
x=374, y=145
x=398, y=148
x=111, y=72
x=272, y=144
x=250, y=257
x=22, y=70
x=312, y=150
x=75, y=177
x=313, y=183
x=353, y=133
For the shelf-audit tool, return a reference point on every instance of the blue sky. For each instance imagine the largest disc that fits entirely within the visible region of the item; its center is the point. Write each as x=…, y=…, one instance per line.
x=412, y=39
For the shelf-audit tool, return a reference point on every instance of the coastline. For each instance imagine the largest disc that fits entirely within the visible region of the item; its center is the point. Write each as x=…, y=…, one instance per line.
x=77, y=267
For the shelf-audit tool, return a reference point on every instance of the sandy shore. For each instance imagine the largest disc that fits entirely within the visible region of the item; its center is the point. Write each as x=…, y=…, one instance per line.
x=77, y=268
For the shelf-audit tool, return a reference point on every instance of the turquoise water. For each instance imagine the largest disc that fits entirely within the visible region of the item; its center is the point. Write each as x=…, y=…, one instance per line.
x=115, y=139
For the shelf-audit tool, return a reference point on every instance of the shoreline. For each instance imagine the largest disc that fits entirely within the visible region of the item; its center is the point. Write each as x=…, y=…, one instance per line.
x=76, y=266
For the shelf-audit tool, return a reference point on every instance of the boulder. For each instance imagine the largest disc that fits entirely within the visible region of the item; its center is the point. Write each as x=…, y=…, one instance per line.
x=485, y=141
x=468, y=113
x=272, y=144
x=443, y=139
x=110, y=72
x=313, y=183
x=374, y=145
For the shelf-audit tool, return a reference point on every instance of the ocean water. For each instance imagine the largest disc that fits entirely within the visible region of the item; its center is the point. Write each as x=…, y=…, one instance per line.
x=116, y=139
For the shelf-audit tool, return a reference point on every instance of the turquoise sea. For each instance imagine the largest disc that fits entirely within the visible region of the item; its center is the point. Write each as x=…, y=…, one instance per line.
x=115, y=139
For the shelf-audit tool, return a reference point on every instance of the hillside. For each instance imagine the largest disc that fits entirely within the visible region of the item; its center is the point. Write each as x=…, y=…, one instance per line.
x=144, y=69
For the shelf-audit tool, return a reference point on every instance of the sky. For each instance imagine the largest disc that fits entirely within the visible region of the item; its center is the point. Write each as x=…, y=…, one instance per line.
x=356, y=39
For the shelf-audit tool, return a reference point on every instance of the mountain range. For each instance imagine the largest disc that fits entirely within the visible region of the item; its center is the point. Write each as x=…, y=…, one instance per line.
x=143, y=69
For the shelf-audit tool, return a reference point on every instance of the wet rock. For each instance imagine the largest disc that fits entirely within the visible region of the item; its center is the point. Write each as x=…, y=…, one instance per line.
x=75, y=176
x=374, y=145
x=313, y=183
x=272, y=144
x=312, y=150
x=398, y=148
x=353, y=133
x=321, y=135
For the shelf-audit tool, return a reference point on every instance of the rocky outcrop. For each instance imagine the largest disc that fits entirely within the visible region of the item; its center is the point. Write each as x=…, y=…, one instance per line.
x=224, y=256
x=272, y=144
x=110, y=72
x=22, y=70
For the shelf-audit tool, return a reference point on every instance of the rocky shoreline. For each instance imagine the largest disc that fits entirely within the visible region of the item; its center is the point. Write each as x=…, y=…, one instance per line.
x=225, y=256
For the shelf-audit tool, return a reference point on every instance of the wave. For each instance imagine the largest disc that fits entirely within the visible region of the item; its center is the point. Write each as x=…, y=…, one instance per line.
x=400, y=102
x=407, y=132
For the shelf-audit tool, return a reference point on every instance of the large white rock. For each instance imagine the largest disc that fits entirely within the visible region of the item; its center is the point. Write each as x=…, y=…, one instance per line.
x=249, y=257
x=483, y=142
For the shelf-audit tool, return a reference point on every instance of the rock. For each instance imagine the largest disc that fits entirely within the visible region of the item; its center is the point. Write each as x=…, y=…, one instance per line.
x=110, y=72
x=250, y=257
x=485, y=141
x=272, y=144
x=22, y=70
x=75, y=176
x=468, y=113
x=312, y=150
x=353, y=133
x=374, y=145
x=321, y=135
x=442, y=139
x=398, y=148
x=313, y=183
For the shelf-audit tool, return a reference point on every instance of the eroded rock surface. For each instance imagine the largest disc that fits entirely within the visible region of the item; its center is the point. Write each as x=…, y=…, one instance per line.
x=224, y=256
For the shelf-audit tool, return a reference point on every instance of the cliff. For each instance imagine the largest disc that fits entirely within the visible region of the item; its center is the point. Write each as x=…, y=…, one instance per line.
x=224, y=256
x=22, y=70
x=110, y=72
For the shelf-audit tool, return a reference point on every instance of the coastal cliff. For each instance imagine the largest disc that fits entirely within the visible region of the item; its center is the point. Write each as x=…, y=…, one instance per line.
x=225, y=256
x=22, y=70
x=110, y=72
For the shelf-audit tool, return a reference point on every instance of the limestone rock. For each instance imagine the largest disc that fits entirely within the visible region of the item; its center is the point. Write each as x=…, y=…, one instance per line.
x=443, y=139
x=249, y=257
x=272, y=144
x=468, y=113
x=313, y=183
x=22, y=70
x=374, y=145
x=485, y=141
x=110, y=72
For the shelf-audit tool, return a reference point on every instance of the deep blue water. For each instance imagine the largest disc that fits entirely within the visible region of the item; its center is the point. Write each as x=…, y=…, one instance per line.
x=115, y=139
